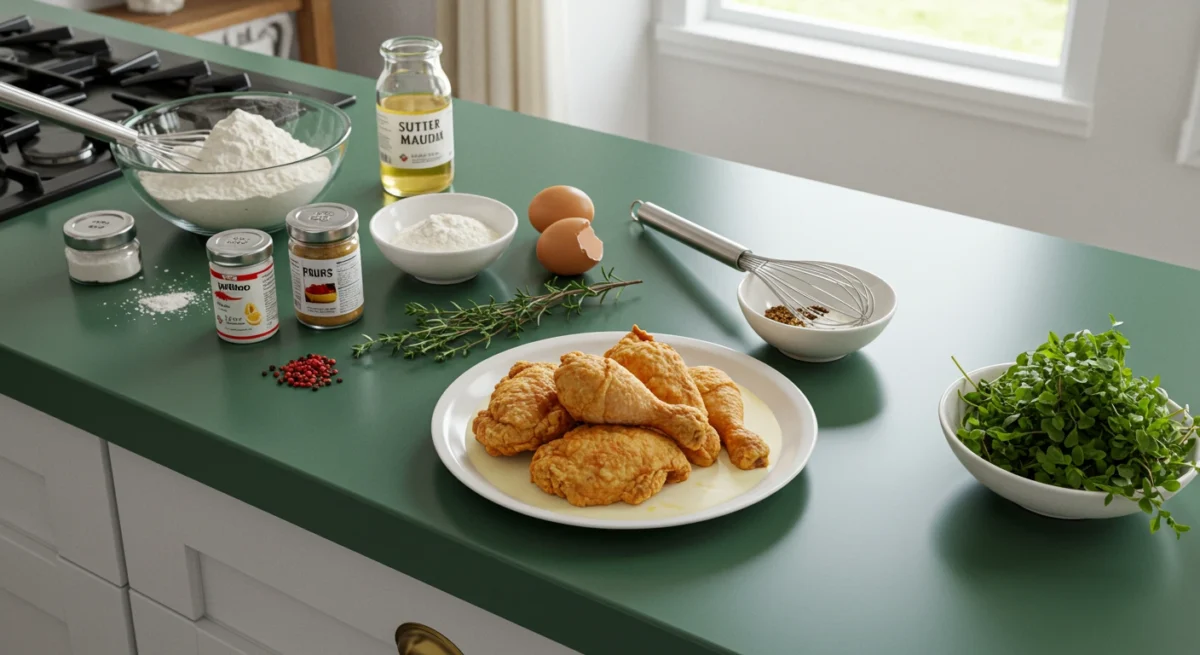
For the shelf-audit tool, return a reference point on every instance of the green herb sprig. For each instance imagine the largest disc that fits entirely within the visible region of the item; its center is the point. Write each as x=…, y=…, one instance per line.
x=1072, y=415
x=449, y=333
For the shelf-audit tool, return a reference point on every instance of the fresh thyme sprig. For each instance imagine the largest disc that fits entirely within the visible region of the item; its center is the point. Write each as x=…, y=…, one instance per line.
x=449, y=333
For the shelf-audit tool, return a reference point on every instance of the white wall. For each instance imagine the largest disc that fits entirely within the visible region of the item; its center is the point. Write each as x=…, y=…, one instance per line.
x=361, y=25
x=1120, y=188
x=608, y=65
x=608, y=52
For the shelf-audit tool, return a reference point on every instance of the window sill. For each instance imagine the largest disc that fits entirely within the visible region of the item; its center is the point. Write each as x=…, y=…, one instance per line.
x=1011, y=99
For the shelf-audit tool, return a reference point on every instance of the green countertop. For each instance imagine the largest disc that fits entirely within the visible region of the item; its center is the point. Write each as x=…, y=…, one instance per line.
x=883, y=544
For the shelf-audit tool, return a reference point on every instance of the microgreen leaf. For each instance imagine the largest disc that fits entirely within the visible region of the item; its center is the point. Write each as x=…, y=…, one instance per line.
x=1072, y=439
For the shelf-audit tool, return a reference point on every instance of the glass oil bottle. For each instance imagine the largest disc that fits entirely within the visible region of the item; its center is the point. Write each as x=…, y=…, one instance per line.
x=415, y=118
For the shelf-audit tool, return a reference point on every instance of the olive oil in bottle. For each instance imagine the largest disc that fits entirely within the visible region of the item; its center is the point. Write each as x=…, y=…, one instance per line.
x=415, y=118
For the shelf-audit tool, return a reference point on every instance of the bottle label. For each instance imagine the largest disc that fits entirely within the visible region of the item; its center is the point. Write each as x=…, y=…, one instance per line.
x=327, y=287
x=416, y=140
x=245, y=305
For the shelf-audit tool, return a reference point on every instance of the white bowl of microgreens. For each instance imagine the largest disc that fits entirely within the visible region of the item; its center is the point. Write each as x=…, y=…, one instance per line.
x=1067, y=431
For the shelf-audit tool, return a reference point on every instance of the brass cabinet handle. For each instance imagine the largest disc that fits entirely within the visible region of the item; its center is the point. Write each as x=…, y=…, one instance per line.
x=418, y=639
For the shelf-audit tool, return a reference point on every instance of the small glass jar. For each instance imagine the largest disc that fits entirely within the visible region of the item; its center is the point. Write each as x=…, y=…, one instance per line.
x=326, y=265
x=242, y=273
x=102, y=247
x=415, y=118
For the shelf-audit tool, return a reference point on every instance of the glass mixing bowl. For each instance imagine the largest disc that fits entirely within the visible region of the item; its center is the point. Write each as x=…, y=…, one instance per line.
x=207, y=203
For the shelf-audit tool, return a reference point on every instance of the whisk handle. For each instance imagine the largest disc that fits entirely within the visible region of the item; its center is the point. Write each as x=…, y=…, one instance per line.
x=724, y=250
x=56, y=112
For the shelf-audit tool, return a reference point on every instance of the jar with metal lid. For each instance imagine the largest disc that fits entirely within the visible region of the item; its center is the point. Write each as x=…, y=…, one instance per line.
x=326, y=265
x=243, y=285
x=102, y=247
x=414, y=116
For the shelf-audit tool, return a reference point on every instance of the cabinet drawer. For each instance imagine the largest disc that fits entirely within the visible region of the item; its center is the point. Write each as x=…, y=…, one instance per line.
x=49, y=606
x=220, y=562
x=56, y=488
x=161, y=631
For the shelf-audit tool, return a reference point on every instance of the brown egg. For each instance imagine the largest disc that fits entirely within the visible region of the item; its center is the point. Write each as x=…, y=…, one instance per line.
x=559, y=202
x=569, y=247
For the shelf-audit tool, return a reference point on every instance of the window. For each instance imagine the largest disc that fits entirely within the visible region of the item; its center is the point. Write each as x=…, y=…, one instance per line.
x=1018, y=37
x=1026, y=62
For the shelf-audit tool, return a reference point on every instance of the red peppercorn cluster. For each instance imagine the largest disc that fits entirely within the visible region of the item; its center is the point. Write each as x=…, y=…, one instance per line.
x=308, y=372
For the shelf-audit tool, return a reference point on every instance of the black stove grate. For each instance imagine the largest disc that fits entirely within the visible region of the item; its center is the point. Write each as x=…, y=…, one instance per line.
x=108, y=77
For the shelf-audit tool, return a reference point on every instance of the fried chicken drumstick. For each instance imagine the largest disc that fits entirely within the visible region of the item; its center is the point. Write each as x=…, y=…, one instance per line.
x=725, y=412
x=665, y=374
x=598, y=390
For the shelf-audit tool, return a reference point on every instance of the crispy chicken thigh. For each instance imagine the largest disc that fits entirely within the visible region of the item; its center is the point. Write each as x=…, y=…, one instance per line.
x=598, y=390
x=523, y=412
x=605, y=464
x=725, y=412
x=665, y=374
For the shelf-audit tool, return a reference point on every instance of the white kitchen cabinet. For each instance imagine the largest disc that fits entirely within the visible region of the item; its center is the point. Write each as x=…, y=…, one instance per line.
x=49, y=606
x=212, y=575
x=160, y=630
x=26, y=630
x=56, y=489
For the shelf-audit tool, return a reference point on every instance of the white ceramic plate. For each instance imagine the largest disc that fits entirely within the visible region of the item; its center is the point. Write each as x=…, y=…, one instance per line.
x=456, y=409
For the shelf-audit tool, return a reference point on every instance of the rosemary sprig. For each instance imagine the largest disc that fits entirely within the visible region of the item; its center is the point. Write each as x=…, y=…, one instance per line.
x=450, y=333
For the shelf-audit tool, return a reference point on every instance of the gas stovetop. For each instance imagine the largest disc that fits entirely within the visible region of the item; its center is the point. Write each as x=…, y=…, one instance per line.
x=41, y=162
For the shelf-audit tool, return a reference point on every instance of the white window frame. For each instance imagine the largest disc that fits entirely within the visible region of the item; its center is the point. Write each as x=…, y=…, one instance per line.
x=980, y=82
x=951, y=52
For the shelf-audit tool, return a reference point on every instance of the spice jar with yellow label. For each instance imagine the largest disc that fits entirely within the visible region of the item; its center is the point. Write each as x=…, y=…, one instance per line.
x=326, y=265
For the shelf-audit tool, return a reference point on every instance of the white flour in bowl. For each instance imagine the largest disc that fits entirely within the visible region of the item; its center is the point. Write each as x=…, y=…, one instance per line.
x=446, y=233
x=258, y=198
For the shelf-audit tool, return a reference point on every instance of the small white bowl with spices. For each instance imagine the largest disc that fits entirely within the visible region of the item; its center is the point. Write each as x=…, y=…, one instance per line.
x=812, y=343
x=444, y=238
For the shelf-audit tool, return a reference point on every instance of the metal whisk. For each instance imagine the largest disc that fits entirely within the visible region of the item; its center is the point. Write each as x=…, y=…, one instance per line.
x=166, y=150
x=799, y=285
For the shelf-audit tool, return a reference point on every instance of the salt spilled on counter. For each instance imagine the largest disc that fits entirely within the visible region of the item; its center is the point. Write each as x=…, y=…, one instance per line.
x=446, y=233
x=167, y=302
x=174, y=298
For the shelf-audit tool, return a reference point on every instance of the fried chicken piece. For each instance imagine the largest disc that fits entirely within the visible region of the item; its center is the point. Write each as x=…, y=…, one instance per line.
x=725, y=413
x=658, y=366
x=665, y=374
x=598, y=390
x=523, y=412
x=604, y=464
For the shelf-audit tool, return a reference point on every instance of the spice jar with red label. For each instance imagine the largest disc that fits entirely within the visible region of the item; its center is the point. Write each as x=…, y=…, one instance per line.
x=243, y=285
x=325, y=265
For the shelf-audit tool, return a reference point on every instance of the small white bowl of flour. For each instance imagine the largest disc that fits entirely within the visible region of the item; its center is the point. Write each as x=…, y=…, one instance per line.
x=444, y=238
x=252, y=169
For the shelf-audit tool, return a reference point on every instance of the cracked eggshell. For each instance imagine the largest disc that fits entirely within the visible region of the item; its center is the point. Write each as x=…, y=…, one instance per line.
x=569, y=247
